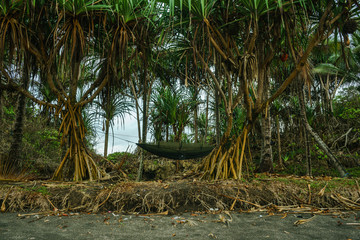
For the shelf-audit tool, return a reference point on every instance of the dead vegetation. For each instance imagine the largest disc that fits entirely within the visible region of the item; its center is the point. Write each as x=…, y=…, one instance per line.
x=181, y=196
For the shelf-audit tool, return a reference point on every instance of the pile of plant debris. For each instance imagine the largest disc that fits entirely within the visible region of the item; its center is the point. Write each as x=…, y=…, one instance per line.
x=275, y=194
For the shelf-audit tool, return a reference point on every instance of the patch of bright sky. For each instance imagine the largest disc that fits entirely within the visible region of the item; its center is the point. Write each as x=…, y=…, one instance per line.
x=123, y=139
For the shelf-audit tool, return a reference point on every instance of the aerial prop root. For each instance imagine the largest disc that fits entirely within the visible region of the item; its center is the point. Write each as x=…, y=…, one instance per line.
x=226, y=161
x=73, y=131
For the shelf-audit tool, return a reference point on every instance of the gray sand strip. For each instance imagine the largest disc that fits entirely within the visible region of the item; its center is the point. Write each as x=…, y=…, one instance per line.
x=185, y=226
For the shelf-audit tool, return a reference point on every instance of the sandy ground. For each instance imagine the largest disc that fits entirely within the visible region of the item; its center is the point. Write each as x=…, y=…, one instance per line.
x=257, y=225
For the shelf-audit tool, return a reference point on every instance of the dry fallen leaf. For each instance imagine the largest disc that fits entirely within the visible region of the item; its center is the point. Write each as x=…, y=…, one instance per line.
x=322, y=191
x=212, y=235
x=298, y=222
x=191, y=223
x=222, y=219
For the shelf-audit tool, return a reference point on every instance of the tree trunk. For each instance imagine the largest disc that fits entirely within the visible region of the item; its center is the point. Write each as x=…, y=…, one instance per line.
x=195, y=96
x=167, y=133
x=307, y=153
x=305, y=135
x=266, y=163
x=206, y=118
x=319, y=141
x=144, y=123
x=73, y=132
x=195, y=123
x=217, y=117
x=16, y=145
x=1, y=106
x=137, y=107
x=107, y=127
x=280, y=161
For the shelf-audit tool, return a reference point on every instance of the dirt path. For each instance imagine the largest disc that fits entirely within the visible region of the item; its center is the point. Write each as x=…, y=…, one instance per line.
x=186, y=226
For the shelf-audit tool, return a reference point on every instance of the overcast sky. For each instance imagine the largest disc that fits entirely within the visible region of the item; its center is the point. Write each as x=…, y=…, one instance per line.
x=125, y=137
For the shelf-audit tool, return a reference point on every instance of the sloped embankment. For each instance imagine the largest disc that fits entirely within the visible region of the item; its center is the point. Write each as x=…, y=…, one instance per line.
x=180, y=196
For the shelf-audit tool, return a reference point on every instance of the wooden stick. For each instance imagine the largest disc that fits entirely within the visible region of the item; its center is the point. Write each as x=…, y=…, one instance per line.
x=105, y=199
x=241, y=200
x=55, y=208
x=233, y=204
x=33, y=214
x=3, y=208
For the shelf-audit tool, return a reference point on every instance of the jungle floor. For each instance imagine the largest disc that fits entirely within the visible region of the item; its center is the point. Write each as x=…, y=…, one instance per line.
x=273, y=207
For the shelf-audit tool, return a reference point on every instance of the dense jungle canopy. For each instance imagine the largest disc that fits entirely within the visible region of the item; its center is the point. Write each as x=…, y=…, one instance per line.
x=244, y=76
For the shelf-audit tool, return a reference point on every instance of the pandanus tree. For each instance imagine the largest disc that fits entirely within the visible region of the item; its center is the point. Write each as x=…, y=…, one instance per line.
x=113, y=22
x=60, y=48
x=72, y=31
x=244, y=61
x=73, y=37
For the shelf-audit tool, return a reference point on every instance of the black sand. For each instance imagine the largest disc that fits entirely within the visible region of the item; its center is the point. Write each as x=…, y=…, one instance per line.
x=258, y=225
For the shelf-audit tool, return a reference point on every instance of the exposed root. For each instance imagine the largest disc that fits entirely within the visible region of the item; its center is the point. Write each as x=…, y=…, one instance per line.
x=226, y=162
x=173, y=197
x=73, y=133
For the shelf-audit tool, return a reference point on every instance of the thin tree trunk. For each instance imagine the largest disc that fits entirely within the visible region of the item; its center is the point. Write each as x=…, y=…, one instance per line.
x=327, y=151
x=305, y=135
x=280, y=161
x=167, y=133
x=195, y=124
x=319, y=141
x=307, y=153
x=206, y=117
x=137, y=107
x=144, y=123
x=217, y=117
x=107, y=127
x=1, y=106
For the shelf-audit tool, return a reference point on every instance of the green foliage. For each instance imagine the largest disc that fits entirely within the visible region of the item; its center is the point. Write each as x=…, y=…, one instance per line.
x=350, y=113
x=42, y=190
x=319, y=153
x=347, y=105
x=43, y=150
x=117, y=156
x=9, y=111
x=354, y=172
x=170, y=108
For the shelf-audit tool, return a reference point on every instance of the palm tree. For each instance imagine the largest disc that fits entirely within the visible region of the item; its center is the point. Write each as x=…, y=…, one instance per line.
x=111, y=105
x=171, y=108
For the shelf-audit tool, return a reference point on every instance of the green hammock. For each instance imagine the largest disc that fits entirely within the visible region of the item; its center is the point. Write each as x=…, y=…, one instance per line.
x=177, y=151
